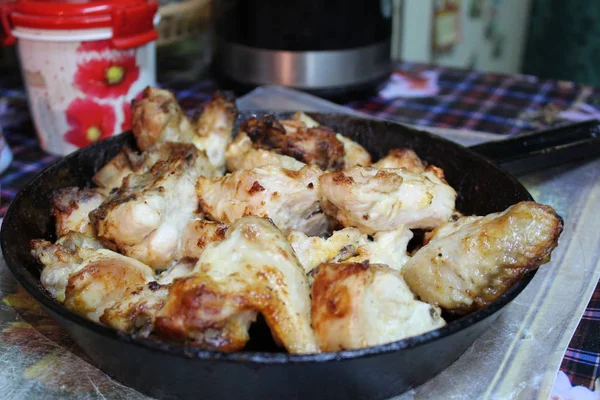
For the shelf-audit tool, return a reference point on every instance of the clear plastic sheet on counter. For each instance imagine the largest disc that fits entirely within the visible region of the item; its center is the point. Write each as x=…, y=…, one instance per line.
x=517, y=358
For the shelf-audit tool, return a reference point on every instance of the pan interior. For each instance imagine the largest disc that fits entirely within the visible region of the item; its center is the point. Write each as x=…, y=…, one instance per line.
x=482, y=188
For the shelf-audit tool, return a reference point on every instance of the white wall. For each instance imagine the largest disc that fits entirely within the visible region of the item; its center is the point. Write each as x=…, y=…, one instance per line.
x=473, y=49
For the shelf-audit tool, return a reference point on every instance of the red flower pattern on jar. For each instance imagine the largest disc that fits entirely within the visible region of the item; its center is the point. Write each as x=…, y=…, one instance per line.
x=107, y=77
x=89, y=122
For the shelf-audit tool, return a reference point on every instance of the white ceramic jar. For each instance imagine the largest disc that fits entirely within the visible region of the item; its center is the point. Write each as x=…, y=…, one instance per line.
x=82, y=63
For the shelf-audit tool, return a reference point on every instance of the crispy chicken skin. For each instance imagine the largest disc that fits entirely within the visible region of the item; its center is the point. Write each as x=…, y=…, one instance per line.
x=354, y=153
x=357, y=305
x=253, y=270
x=145, y=217
x=88, y=280
x=157, y=119
x=382, y=200
x=468, y=265
x=317, y=145
x=70, y=208
x=241, y=154
x=289, y=198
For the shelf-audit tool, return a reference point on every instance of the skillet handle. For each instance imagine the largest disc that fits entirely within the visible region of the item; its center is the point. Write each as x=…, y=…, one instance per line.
x=544, y=149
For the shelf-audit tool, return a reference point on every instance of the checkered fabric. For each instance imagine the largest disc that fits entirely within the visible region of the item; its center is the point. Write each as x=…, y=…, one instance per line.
x=495, y=103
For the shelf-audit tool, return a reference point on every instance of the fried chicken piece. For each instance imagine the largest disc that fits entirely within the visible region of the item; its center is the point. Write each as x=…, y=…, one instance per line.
x=289, y=198
x=253, y=270
x=356, y=305
x=240, y=154
x=403, y=157
x=70, y=208
x=137, y=310
x=317, y=146
x=157, y=119
x=354, y=153
x=383, y=200
x=62, y=259
x=314, y=250
x=388, y=248
x=88, y=280
x=214, y=130
x=111, y=175
x=145, y=217
x=469, y=263
x=198, y=234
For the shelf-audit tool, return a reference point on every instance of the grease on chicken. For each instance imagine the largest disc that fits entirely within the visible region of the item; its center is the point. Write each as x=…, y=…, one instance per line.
x=383, y=200
x=145, y=217
x=253, y=270
x=241, y=154
x=71, y=207
x=356, y=305
x=86, y=278
x=289, y=198
x=468, y=265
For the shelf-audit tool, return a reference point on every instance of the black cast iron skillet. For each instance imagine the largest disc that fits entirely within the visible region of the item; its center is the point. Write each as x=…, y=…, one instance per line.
x=172, y=371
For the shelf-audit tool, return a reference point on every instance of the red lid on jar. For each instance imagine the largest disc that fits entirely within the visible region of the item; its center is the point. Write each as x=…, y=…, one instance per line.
x=132, y=21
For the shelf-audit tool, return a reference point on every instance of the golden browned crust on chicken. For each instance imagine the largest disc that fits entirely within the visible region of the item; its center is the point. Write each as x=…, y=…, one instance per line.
x=318, y=146
x=357, y=305
x=469, y=263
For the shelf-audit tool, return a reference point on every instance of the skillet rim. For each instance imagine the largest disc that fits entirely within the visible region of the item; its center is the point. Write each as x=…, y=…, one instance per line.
x=256, y=357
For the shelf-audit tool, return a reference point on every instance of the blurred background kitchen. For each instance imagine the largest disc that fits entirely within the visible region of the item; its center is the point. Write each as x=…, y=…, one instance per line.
x=555, y=39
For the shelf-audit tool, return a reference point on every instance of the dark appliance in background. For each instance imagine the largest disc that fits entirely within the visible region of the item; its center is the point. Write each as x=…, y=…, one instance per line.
x=332, y=48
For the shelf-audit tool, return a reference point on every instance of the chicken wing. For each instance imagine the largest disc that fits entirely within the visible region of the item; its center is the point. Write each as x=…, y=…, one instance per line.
x=87, y=279
x=289, y=198
x=360, y=305
x=387, y=199
x=241, y=154
x=198, y=234
x=71, y=207
x=253, y=270
x=145, y=217
x=157, y=119
x=468, y=265
x=317, y=146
